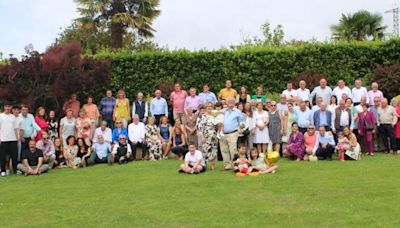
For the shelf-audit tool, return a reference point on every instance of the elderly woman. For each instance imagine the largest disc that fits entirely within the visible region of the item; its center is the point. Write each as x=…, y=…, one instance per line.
x=84, y=127
x=67, y=126
x=295, y=145
x=310, y=141
x=153, y=140
x=275, y=128
x=348, y=147
x=289, y=117
x=118, y=131
x=396, y=106
x=366, y=128
x=191, y=130
x=208, y=135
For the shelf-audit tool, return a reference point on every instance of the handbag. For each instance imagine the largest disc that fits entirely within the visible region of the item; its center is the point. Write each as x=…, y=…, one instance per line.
x=368, y=126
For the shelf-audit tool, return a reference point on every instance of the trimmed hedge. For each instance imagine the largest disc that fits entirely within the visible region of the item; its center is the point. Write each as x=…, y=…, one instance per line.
x=270, y=67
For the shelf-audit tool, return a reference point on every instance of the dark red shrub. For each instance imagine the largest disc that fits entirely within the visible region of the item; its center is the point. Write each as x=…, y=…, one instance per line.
x=388, y=78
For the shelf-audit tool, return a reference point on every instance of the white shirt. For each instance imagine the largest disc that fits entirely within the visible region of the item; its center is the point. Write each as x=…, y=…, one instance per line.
x=136, y=132
x=304, y=95
x=193, y=158
x=281, y=107
x=357, y=93
x=338, y=92
x=107, y=134
x=289, y=94
x=344, y=119
x=8, y=126
x=116, y=146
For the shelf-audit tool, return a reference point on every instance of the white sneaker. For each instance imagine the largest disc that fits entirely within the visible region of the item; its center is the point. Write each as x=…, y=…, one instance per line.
x=8, y=172
x=3, y=174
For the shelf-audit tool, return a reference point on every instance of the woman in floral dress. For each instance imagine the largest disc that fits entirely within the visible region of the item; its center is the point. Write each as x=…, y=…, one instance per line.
x=153, y=140
x=208, y=135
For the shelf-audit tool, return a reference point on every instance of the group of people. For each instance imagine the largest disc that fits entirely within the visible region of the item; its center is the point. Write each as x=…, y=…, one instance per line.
x=242, y=127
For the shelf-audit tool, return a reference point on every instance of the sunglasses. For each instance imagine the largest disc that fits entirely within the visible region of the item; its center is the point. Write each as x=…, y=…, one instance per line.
x=273, y=105
x=44, y=138
x=121, y=138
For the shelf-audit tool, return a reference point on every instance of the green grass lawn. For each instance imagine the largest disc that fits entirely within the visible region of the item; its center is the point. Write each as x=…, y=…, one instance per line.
x=154, y=194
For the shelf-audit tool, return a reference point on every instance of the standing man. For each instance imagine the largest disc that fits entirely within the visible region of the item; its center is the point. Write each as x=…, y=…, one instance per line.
x=323, y=91
x=341, y=89
x=226, y=92
x=358, y=92
x=136, y=133
x=193, y=101
x=8, y=139
x=177, y=99
x=374, y=92
x=72, y=104
x=106, y=108
x=207, y=96
x=290, y=93
x=304, y=118
x=387, y=119
x=140, y=108
x=32, y=161
x=158, y=107
x=341, y=118
x=302, y=93
x=28, y=128
x=233, y=117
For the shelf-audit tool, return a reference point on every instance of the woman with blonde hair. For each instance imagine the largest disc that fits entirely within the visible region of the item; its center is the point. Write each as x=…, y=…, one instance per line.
x=122, y=108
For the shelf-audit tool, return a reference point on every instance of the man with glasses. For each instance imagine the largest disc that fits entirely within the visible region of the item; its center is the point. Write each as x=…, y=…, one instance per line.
x=118, y=131
x=121, y=151
x=310, y=139
x=325, y=145
x=322, y=117
x=47, y=148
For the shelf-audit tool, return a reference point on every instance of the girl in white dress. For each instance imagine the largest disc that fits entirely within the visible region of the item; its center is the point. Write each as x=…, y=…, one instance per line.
x=261, y=137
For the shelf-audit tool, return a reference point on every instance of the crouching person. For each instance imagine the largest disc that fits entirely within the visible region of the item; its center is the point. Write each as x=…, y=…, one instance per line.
x=101, y=152
x=47, y=148
x=122, y=151
x=194, y=161
x=32, y=161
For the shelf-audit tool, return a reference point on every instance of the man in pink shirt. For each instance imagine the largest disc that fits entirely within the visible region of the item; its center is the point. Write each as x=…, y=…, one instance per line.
x=177, y=99
x=374, y=92
x=193, y=101
x=73, y=104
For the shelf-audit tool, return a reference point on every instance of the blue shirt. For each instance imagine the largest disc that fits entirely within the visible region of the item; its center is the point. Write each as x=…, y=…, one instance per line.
x=326, y=138
x=207, y=97
x=116, y=134
x=303, y=118
x=232, y=120
x=323, y=119
x=106, y=106
x=159, y=106
x=102, y=149
x=28, y=125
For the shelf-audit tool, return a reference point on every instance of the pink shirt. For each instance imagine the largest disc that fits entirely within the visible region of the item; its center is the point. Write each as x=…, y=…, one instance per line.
x=193, y=102
x=372, y=95
x=178, y=101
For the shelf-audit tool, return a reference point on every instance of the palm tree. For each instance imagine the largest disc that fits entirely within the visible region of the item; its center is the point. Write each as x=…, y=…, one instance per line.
x=359, y=26
x=120, y=16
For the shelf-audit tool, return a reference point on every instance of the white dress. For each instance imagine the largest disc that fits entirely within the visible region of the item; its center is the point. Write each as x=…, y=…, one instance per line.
x=261, y=136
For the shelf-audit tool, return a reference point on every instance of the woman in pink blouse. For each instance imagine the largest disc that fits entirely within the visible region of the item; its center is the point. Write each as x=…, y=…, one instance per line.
x=40, y=120
x=84, y=127
x=92, y=112
x=310, y=139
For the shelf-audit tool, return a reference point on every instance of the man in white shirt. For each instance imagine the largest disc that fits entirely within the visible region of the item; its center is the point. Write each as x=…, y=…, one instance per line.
x=290, y=93
x=341, y=89
x=358, y=92
x=302, y=93
x=194, y=161
x=104, y=131
x=140, y=107
x=136, y=133
x=323, y=90
x=282, y=106
x=8, y=139
x=341, y=118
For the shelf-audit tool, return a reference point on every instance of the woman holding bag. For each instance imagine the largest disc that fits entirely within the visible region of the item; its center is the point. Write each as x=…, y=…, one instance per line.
x=366, y=124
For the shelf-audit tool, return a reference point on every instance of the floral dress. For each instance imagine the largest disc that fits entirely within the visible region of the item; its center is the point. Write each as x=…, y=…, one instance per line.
x=72, y=151
x=83, y=128
x=296, y=145
x=153, y=145
x=206, y=126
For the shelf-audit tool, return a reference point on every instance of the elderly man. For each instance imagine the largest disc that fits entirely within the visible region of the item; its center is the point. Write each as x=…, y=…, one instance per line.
x=302, y=93
x=207, y=96
x=378, y=139
x=323, y=117
x=158, y=107
x=340, y=90
x=226, y=92
x=341, y=118
x=47, y=147
x=192, y=101
x=358, y=92
x=136, y=133
x=374, y=92
x=177, y=99
x=233, y=118
x=104, y=131
x=121, y=151
x=140, y=108
x=32, y=161
x=282, y=106
x=304, y=117
x=325, y=145
x=323, y=91
x=101, y=152
x=387, y=119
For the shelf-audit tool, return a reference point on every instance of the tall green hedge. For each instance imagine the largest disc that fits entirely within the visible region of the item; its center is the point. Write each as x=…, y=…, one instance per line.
x=270, y=67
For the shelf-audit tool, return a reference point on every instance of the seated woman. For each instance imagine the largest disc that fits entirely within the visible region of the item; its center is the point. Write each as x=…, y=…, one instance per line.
x=71, y=152
x=194, y=161
x=153, y=140
x=84, y=151
x=310, y=139
x=241, y=163
x=258, y=164
x=179, y=143
x=347, y=146
x=295, y=145
x=165, y=133
x=60, y=160
x=118, y=130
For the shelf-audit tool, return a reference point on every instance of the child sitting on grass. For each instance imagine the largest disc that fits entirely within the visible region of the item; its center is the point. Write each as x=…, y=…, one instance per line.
x=258, y=163
x=241, y=163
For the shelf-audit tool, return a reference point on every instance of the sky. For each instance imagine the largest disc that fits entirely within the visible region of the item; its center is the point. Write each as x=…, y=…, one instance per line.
x=190, y=24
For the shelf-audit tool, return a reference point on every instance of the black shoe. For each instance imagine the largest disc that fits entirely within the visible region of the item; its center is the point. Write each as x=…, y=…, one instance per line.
x=180, y=171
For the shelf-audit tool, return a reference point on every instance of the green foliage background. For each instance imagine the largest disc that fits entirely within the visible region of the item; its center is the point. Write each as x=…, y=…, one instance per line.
x=249, y=66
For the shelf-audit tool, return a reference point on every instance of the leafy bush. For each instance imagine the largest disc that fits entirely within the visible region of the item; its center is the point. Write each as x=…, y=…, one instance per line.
x=251, y=66
x=311, y=78
x=388, y=77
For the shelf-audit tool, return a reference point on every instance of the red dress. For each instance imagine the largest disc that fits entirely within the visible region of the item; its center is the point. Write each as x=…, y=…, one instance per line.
x=397, y=127
x=42, y=123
